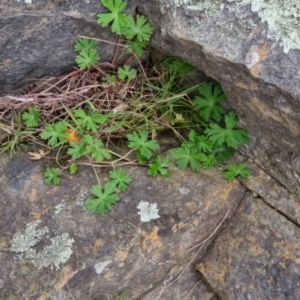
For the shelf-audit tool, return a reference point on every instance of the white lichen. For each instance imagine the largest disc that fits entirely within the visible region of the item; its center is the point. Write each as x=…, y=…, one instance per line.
x=184, y=190
x=147, y=211
x=26, y=1
x=282, y=16
x=23, y=242
x=53, y=255
x=57, y=253
x=99, y=267
x=60, y=207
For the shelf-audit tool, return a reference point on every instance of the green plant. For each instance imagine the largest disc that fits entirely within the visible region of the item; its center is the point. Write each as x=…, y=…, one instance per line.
x=104, y=198
x=160, y=165
x=232, y=171
x=229, y=135
x=31, y=117
x=133, y=105
x=52, y=175
x=139, y=141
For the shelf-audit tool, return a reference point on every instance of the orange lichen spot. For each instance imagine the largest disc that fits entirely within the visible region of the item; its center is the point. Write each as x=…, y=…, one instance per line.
x=121, y=255
x=37, y=215
x=65, y=275
x=152, y=240
x=98, y=243
x=109, y=275
x=43, y=20
x=86, y=250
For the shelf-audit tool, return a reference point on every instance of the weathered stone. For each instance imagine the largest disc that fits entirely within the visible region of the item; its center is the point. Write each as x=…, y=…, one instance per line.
x=272, y=192
x=252, y=49
x=256, y=257
x=37, y=38
x=138, y=247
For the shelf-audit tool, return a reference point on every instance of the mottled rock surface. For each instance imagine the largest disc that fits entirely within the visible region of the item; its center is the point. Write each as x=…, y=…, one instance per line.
x=37, y=37
x=50, y=244
x=252, y=49
x=256, y=257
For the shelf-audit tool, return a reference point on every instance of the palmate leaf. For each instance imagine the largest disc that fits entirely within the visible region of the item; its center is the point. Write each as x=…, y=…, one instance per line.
x=87, y=58
x=141, y=29
x=77, y=150
x=31, y=117
x=104, y=198
x=85, y=44
x=209, y=104
x=199, y=142
x=115, y=16
x=96, y=148
x=179, y=66
x=52, y=175
x=126, y=73
x=137, y=47
x=55, y=133
x=160, y=166
x=120, y=179
x=229, y=136
x=89, y=122
x=138, y=141
x=233, y=171
x=185, y=156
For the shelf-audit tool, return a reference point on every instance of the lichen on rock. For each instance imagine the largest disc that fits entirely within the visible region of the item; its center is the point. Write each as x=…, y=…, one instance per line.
x=282, y=16
x=53, y=255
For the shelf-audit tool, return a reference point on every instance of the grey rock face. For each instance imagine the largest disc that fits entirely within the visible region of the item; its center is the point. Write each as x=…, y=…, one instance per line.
x=50, y=244
x=256, y=257
x=252, y=49
x=37, y=38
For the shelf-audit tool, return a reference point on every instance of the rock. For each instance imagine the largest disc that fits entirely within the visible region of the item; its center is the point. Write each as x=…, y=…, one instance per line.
x=270, y=190
x=252, y=50
x=52, y=248
x=256, y=257
x=37, y=38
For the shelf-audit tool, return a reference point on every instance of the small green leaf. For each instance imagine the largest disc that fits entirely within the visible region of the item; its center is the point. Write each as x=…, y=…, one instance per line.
x=32, y=117
x=126, y=73
x=137, y=47
x=141, y=29
x=52, y=175
x=186, y=156
x=160, y=165
x=115, y=16
x=55, y=134
x=233, y=171
x=104, y=198
x=77, y=150
x=209, y=104
x=138, y=141
x=179, y=66
x=87, y=58
x=232, y=137
x=208, y=161
x=96, y=148
x=85, y=44
x=73, y=169
x=89, y=122
x=199, y=142
x=120, y=179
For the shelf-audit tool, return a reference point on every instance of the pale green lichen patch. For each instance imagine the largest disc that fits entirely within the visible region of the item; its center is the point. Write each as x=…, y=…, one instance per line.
x=23, y=242
x=282, y=16
x=53, y=255
x=58, y=252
